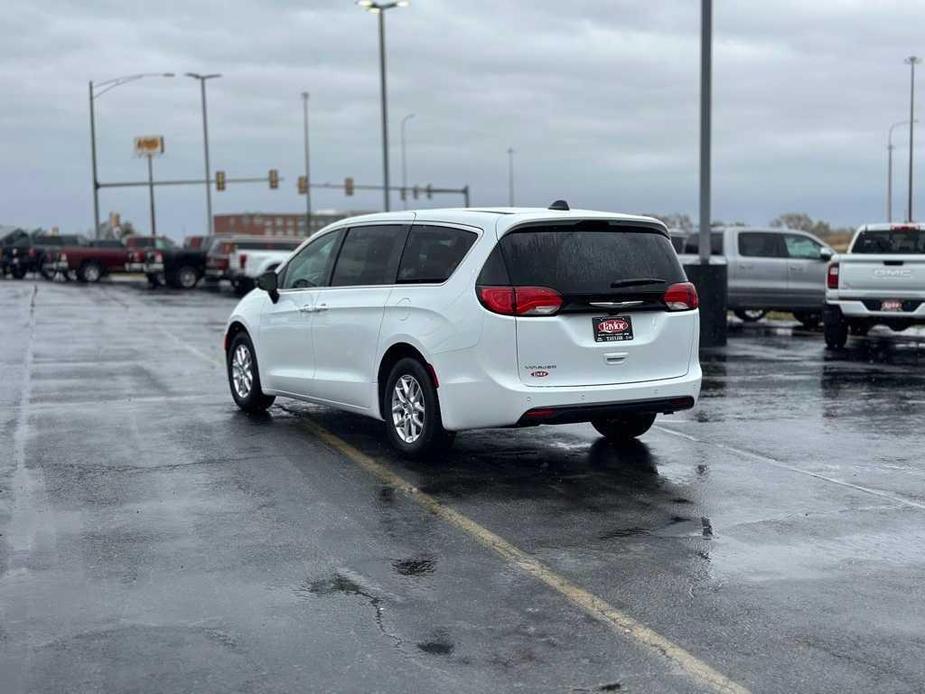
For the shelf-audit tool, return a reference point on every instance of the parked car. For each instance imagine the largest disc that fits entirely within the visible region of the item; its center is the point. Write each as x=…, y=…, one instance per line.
x=443, y=320
x=770, y=270
x=217, y=259
x=138, y=250
x=879, y=281
x=91, y=261
x=250, y=258
x=196, y=242
x=181, y=268
x=10, y=239
x=30, y=253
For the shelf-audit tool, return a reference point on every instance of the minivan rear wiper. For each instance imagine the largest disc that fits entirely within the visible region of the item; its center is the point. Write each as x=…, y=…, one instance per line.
x=636, y=282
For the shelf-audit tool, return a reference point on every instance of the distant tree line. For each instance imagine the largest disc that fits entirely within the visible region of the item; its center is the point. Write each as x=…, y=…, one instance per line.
x=787, y=220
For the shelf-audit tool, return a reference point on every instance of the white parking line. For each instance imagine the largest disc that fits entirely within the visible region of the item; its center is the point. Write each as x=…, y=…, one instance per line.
x=768, y=460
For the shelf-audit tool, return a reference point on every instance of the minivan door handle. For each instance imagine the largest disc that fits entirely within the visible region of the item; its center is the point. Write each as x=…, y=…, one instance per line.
x=321, y=307
x=307, y=308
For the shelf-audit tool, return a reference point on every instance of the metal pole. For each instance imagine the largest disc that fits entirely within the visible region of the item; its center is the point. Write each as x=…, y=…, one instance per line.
x=308, y=182
x=151, y=195
x=385, y=117
x=404, y=163
x=912, y=60
x=96, y=189
x=889, y=181
x=466, y=195
x=706, y=69
x=510, y=176
x=205, y=139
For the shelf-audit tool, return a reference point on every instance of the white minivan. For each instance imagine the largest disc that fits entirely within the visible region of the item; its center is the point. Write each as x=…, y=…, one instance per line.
x=437, y=321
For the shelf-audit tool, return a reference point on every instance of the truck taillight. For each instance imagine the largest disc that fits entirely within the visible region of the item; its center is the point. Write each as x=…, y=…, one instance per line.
x=831, y=277
x=520, y=301
x=242, y=260
x=158, y=257
x=681, y=297
x=62, y=257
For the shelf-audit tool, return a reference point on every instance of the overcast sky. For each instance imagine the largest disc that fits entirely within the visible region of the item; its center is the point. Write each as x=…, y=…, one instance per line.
x=599, y=98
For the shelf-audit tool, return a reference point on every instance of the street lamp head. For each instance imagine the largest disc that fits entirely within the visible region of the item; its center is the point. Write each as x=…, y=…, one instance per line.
x=377, y=7
x=168, y=74
x=912, y=60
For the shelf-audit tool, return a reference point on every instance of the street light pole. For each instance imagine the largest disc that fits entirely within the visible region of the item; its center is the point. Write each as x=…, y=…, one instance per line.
x=706, y=102
x=380, y=8
x=404, y=162
x=510, y=176
x=102, y=88
x=911, y=61
x=889, y=170
x=308, y=180
x=205, y=139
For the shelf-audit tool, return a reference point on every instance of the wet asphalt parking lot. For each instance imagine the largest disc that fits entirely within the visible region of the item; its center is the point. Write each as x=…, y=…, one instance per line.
x=155, y=539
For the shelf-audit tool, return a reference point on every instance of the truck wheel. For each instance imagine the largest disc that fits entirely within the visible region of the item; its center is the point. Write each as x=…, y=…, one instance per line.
x=18, y=273
x=625, y=428
x=809, y=320
x=750, y=315
x=90, y=272
x=411, y=411
x=835, y=330
x=185, y=278
x=244, y=377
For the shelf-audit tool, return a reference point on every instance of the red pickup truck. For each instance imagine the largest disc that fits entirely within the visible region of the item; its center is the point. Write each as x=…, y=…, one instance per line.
x=91, y=262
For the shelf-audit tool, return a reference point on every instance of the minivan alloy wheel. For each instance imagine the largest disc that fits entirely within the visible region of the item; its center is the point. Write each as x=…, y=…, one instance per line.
x=242, y=371
x=408, y=409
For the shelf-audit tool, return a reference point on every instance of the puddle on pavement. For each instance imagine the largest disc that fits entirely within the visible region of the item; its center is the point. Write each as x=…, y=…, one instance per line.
x=438, y=644
x=418, y=566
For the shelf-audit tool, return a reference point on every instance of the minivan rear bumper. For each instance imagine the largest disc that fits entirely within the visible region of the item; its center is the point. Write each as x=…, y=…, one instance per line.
x=571, y=414
x=470, y=401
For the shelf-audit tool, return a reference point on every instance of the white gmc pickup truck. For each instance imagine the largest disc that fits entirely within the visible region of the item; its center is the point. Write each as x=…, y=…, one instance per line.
x=879, y=281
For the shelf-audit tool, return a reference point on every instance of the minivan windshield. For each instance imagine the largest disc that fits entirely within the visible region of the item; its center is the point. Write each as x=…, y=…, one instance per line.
x=597, y=258
x=899, y=240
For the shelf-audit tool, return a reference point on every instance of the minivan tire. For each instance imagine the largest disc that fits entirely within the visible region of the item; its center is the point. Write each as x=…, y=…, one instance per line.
x=625, y=428
x=413, y=437
x=241, y=359
x=750, y=315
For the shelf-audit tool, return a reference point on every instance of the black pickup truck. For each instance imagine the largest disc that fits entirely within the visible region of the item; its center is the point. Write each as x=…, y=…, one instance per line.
x=24, y=252
x=181, y=268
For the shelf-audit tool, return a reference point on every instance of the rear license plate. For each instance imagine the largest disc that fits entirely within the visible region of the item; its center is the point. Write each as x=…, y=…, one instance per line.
x=891, y=305
x=612, y=328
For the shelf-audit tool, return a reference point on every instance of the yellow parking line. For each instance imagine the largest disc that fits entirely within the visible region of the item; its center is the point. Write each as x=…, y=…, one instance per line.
x=598, y=608
x=590, y=603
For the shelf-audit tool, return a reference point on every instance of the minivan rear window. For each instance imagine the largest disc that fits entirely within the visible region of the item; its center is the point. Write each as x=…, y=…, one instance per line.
x=432, y=253
x=588, y=258
x=909, y=240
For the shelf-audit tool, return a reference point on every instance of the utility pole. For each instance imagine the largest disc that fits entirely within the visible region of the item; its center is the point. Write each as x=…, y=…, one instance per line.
x=96, y=183
x=706, y=102
x=912, y=61
x=889, y=170
x=205, y=140
x=510, y=176
x=151, y=194
x=404, y=162
x=308, y=180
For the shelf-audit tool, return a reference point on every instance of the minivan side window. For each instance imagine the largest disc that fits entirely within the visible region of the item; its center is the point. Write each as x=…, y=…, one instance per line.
x=760, y=244
x=432, y=253
x=311, y=267
x=369, y=255
x=801, y=247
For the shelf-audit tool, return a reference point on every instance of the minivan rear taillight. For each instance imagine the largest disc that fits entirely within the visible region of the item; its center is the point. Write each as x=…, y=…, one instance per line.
x=681, y=297
x=831, y=277
x=520, y=301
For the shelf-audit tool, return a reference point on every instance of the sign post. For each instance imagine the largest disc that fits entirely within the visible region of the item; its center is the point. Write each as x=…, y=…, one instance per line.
x=150, y=146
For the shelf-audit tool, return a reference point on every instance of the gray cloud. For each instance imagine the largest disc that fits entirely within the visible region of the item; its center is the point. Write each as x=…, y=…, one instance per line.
x=598, y=98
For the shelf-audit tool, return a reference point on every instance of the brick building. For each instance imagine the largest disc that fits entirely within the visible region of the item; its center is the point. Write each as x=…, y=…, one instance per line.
x=274, y=224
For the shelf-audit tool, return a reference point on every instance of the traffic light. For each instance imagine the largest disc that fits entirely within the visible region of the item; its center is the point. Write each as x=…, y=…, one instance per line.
x=219, y=180
x=404, y=194
x=274, y=179
x=414, y=192
x=303, y=185
x=429, y=192
x=348, y=186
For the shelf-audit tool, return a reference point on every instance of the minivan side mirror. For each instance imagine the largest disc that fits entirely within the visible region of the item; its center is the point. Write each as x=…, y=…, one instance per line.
x=825, y=254
x=269, y=282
